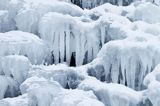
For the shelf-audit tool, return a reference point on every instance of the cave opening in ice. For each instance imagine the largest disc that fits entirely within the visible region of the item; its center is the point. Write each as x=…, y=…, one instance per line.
x=73, y=61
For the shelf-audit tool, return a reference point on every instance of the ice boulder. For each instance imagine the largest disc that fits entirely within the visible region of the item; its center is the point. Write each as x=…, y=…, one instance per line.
x=15, y=66
x=8, y=87
x=34, y=10
x=152, y=81
x=40, y=91
x=67, y=77
x=69, y=37
x=21, y=43
x=129, y=64
x=49, y=93
x=151, y=15
x=112, y=94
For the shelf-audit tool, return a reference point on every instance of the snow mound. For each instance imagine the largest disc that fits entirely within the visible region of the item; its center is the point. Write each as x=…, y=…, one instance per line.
x=21, y=43
x=40, y=92
x=38, y=88
x=150, y=15
x=146, y=27
x=16, y=101
x=112, y=94
x=76, y=98
x=66, y=76
x=105, y=8
x=124, y=66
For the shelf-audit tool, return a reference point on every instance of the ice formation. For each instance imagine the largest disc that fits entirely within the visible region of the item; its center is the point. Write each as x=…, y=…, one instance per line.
x=112, y=94
x=33, y=11
x=68, y=35
x=11, y=75
x=94, y=3
x=9, y=87
x=22, y=43
x=67, y=77
x=128, y=67
x=16, y=101
x=6, y=23
x=147, y=16
x=115, y=49
x=15, y=66
x=55, y=95
x=152, y=81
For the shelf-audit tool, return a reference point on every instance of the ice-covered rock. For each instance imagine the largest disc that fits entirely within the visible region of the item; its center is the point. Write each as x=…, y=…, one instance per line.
x=124, y=66
x=152, y=81
x=69, y=36
x=49, y=93
x=15, y=66
x=34, y=10
x=13, y=71
x=40, y=91
x=150, y=15
x=68, y=77
x=112, y=94
x=8, y=87
x=21, y=43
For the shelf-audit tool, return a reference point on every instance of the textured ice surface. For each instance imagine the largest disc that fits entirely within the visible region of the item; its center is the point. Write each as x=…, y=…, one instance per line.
x=128, y=67
x=66, y=76
x=55, y=95
x=6, y=23
x=67, y=36
x=63, y=32
x=152, y=81
x=112, y=94
x=34, y=10
x=148, y=15
x=15, y=66
x=22, y=43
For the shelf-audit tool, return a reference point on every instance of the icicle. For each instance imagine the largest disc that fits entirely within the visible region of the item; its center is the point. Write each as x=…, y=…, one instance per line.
x=68, y=45
x=78, y=49
x=62, y=45
x=56, y=48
